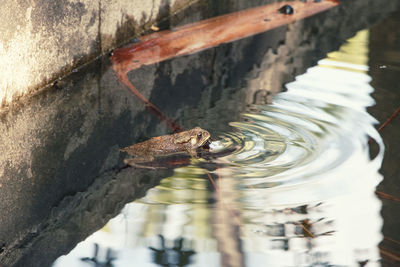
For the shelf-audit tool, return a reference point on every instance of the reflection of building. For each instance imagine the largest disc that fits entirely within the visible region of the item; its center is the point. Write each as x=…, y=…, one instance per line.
x=177, y=210
x=171, y=256
x=96, y=261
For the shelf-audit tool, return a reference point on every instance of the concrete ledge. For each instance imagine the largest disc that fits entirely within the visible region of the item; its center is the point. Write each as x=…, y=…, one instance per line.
x=41, y=41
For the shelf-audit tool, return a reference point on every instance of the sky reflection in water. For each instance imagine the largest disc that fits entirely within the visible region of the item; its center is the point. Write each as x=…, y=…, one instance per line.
x=297, y=191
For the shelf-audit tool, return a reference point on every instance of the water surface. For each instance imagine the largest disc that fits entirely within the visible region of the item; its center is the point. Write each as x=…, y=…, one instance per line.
x=296, y=188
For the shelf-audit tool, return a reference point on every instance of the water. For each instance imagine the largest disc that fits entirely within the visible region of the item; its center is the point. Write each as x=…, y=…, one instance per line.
x=296, y=186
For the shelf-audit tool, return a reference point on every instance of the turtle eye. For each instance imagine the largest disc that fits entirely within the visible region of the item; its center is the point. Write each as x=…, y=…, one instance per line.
x=199, y=135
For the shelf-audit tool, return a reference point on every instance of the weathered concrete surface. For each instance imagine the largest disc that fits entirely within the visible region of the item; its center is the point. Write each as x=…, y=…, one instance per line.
x=41, y=41
x=59, y=142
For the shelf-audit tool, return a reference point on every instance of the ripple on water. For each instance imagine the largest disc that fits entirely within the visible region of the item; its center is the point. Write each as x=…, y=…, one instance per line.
x=295, y=178
x=318, y=127
x=298, y=174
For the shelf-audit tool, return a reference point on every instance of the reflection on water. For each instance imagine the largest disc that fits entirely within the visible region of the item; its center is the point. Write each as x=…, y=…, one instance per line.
x=297, y=190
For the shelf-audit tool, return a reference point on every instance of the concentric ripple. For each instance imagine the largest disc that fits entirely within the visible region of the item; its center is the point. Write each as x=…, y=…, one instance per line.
x=291, y=185
x=319, y=126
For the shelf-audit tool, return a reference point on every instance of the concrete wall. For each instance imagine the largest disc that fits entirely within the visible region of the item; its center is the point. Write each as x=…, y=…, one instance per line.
x=43, y=40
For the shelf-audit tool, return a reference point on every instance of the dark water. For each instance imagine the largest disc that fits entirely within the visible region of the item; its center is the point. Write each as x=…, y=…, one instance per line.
x=385, y=69
x=295, y=188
